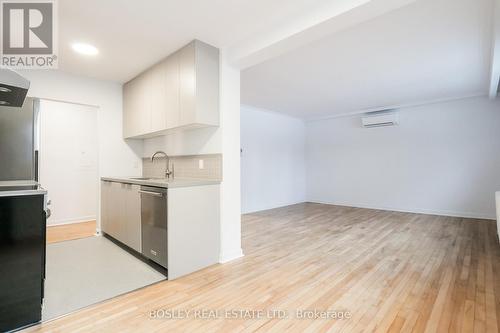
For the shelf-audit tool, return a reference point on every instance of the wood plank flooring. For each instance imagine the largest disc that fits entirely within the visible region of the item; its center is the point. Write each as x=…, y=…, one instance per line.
x=61, y=233
x=392, y=272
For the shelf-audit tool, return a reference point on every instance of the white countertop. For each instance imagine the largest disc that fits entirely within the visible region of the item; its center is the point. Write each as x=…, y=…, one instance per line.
x=162, y=182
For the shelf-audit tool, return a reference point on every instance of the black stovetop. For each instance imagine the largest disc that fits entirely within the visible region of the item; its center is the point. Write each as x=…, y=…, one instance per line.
x=20, y=188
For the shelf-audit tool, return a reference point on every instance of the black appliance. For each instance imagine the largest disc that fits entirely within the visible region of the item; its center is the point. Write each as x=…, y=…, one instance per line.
x=154, y=224
x=23, y=207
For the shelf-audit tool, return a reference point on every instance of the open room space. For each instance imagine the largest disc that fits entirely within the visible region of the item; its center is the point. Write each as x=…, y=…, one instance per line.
x=386, y=271
x=250, y=166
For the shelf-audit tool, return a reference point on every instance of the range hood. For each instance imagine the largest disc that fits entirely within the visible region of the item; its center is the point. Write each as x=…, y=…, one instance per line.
x=13, y=88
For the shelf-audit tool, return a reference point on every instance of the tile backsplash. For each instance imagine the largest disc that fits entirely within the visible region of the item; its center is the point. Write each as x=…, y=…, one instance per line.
x=185, y=166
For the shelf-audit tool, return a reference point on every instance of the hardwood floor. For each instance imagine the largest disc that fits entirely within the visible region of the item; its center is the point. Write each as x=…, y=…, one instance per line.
x=61, y=233
x=392, y=272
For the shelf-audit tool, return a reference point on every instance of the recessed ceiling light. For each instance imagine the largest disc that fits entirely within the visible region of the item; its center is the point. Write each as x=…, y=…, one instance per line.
x=86, y=49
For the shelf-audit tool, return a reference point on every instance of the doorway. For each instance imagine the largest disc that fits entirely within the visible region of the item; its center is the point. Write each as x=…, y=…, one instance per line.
x=69, y=168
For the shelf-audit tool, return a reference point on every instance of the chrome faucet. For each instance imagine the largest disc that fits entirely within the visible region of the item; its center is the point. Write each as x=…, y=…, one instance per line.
x=167, y=159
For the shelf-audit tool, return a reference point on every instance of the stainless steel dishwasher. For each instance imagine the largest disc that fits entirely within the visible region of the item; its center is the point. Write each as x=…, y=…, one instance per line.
x=154, y=224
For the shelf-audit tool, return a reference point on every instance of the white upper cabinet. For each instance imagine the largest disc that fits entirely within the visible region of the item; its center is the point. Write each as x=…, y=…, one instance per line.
x=158, y=95
x=182, y=91
x=165, y=94
x=171, y=96
x=137, y=106
x=187, y=81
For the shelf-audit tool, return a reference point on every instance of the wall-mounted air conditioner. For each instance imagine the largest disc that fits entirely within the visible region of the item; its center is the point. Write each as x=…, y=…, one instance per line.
x=380, y=118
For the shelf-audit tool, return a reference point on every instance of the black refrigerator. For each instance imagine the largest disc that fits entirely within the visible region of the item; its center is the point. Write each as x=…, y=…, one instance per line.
x=23, y=206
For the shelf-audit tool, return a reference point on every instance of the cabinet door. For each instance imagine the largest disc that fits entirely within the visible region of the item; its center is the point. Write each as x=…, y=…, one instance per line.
x=165, y=94
x=115, y=211
x=132, y=217
x=104, y=205
x=137, y=106
x=158, y=97
x=172, y=86
x=187, y=85
x=121, y=208
x=207, y=84
x=142, y=104
x=129, y=89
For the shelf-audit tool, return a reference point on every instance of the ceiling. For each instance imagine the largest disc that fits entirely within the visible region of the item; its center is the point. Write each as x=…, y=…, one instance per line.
x=132, y=35
x=427, y=51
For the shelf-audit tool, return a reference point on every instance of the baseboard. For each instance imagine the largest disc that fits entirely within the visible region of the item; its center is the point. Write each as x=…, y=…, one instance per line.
x=281, y=205
x=228, y=256
x=415, y=211
x=73, y=221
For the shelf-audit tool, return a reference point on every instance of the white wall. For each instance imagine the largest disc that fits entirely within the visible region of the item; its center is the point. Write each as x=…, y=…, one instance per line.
x=273, y=160
x=442, y=158
x=69, y=160
x=117, y=157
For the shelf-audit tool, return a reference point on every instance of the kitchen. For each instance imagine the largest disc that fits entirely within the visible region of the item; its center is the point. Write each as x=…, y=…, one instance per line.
x=166, y=218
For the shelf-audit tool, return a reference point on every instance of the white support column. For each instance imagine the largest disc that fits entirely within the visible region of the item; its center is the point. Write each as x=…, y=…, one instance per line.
x=230, y=187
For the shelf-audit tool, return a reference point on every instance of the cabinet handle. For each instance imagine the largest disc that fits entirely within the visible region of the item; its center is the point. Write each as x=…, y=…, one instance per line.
x=156, y=194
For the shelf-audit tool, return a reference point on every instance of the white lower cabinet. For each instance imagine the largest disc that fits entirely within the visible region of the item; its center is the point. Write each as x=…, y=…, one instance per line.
x=121, y=213
x=193, y=223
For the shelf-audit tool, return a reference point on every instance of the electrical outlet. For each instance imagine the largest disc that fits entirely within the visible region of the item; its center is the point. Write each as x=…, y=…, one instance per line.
x=201, y=164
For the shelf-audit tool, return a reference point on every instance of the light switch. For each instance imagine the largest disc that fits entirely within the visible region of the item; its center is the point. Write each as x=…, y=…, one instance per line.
x=201, y=164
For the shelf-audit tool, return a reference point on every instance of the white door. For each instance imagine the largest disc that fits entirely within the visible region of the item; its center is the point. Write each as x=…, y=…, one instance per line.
x=69, y=161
